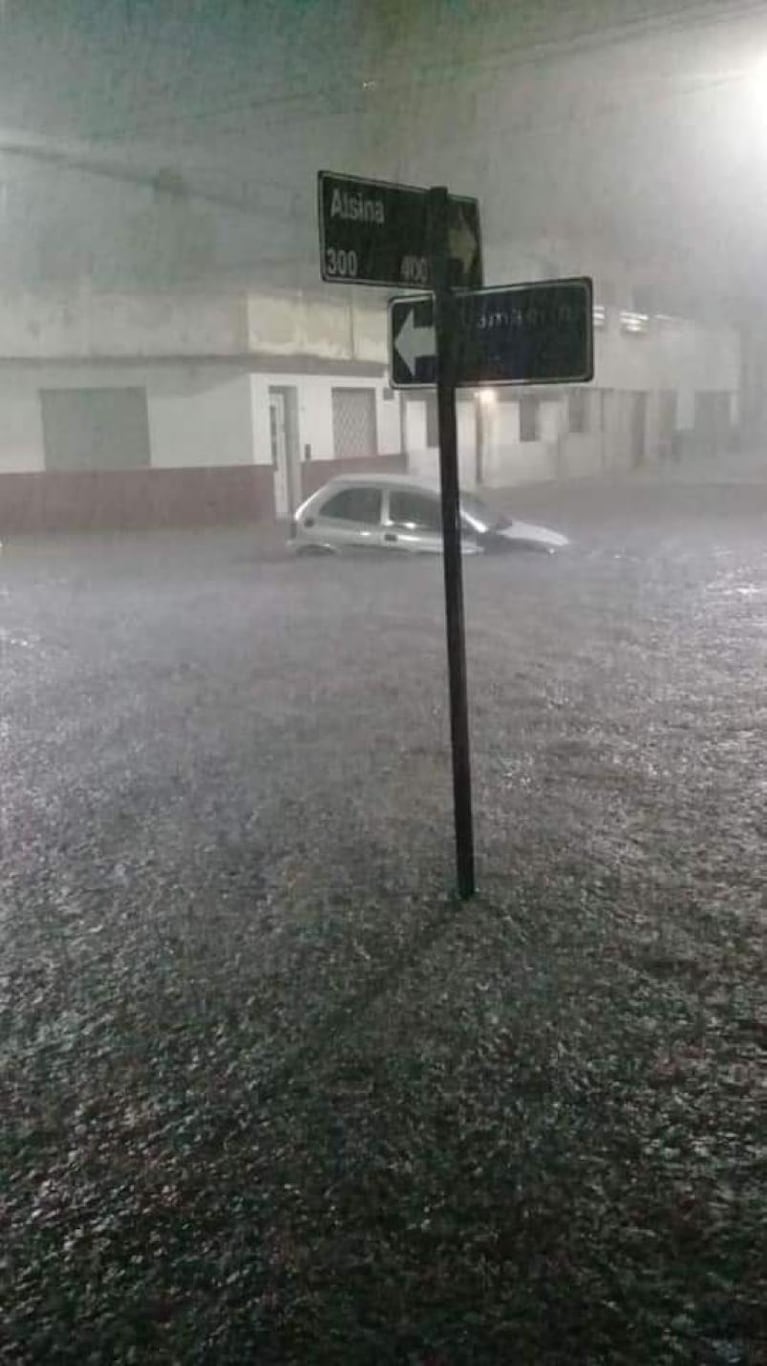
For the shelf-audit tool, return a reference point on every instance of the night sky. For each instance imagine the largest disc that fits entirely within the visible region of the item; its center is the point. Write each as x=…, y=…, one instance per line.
x=640, y=136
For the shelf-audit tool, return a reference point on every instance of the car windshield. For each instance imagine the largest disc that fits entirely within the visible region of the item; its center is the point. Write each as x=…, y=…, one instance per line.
x=479, y=512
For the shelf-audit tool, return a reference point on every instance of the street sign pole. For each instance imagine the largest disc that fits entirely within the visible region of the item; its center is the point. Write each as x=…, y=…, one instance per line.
x=446, y=332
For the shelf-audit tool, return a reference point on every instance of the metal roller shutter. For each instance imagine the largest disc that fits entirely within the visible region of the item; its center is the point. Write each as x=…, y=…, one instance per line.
x=354, y=423
x=95, y=429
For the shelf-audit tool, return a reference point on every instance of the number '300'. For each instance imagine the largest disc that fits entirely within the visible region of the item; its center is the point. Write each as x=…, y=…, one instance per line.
x=342, y=264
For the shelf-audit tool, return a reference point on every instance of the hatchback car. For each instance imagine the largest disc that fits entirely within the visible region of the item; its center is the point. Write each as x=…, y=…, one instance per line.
x=393, y=512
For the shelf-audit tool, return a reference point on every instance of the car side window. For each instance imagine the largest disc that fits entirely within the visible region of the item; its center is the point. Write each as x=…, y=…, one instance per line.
x=362, y=505
x=416, y=511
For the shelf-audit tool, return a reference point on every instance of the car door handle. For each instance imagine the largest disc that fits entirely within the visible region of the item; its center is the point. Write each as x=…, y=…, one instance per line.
x=390, y=536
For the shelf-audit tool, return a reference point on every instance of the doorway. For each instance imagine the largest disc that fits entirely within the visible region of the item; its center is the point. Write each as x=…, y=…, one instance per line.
x=638, y=428
x=667, y=408
x=607, y=419
x=284, y=444
x=712, y=422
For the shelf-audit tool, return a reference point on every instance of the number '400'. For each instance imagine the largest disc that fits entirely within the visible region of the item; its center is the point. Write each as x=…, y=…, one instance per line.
x=415, y=270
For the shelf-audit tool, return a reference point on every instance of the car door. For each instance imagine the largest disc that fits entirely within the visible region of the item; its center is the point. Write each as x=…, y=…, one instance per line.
x=350, y=518
x=413, y=521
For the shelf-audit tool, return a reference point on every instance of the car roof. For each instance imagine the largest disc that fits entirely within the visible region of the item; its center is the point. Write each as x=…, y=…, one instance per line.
x=407, y=481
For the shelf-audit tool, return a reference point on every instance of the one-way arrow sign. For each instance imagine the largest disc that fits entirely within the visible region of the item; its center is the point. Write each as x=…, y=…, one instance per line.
x=463, y=239
x=414, y=342
x=541, y=333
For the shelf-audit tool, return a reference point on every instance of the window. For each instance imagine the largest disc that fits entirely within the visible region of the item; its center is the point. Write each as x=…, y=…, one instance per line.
x=416, y=511
x=577, y=411
x=528, y=418
x=362, y=505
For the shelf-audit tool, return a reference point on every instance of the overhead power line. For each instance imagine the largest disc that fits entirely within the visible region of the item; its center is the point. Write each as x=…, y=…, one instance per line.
x=699, y=14
x=185, y=189
x=175, y=187
x=84, y=163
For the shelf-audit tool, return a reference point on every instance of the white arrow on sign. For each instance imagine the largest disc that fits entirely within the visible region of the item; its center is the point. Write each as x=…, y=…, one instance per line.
x=413, y=343
x=462, y=242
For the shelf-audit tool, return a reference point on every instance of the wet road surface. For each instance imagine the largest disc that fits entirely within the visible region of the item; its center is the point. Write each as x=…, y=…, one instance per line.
x=268, y=1093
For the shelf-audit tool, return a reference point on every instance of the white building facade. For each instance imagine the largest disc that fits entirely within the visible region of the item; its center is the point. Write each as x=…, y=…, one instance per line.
x=139, y=411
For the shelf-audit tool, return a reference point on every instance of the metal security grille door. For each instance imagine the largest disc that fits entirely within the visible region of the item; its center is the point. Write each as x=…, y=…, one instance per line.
x=354, y=423
x=95, y=429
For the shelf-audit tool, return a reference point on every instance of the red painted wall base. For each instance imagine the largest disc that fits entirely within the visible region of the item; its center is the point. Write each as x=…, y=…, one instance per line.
x=133, y=499
x=123, y=500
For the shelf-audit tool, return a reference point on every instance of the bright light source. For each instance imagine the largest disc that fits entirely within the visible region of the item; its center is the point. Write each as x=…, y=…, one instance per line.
x=756, y=74
x=634, y=322
x=486, y=395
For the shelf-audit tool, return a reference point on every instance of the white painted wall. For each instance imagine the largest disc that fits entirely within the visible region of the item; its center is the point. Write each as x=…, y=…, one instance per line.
x=580, y=455
x=370, y=332
x=551, y=419
x=528, y=462
x=199, y=416
x=21, y=427
x=423, y=460
x=290, y=324
x=78, y=324
x=261, y=439
x=315, y=416
x=685, y=408
x=315, y=412
x=389, y=423
x=672, y=354
x=466, y=422
x=204, y=414
x=333, y=326
x=506, y=459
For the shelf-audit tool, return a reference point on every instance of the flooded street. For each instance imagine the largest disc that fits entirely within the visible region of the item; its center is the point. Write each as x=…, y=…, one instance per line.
x=269, y=1093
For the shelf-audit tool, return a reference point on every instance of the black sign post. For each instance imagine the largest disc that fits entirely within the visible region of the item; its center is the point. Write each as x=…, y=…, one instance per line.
x=376, y=233
x=541, y=333
x=438, y=220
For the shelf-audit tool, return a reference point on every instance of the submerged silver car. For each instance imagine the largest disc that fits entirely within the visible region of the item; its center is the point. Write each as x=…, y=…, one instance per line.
x=394, y=512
